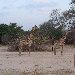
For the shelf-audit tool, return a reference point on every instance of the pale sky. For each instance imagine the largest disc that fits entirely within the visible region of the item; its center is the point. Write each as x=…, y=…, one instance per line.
x=28, y=13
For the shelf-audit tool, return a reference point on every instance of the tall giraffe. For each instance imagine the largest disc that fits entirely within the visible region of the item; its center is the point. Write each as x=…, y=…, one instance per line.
x=30, y=42
x=23, y=42
x=60, y=43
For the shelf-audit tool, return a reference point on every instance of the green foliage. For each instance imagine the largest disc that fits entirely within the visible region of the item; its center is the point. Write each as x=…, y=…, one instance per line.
x=15, y=31
x=10, y=32
x=51, y=29
x=3, y=29
x=54, y=27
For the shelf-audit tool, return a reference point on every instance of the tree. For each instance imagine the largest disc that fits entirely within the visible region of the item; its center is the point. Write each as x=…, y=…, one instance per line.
x=3, y=31
x=54, y=27
x=10, y=32
x=69, y=16
x=15, y=31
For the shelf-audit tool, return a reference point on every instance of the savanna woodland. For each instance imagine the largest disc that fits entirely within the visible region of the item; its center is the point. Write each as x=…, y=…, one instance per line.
x=45, y=34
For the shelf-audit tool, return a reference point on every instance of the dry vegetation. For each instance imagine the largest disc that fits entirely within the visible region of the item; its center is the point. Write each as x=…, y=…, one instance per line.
x=38, y=63
x=39, y=41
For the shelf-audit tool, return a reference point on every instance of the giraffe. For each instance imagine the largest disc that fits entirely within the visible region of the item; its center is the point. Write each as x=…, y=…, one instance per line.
x=23, y=42
x=30, y=42
x=60, y=43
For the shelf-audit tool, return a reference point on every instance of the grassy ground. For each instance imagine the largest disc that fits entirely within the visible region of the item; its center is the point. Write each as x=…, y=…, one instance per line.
x=38, y=63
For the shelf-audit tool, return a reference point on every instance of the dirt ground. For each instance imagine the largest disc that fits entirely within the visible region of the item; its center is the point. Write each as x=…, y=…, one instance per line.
x=38, y=63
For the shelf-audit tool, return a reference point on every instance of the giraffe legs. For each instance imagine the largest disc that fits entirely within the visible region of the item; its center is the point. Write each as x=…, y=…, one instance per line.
x=19, y=51
x=62, y=50
x=54, y=50
x=29, y=51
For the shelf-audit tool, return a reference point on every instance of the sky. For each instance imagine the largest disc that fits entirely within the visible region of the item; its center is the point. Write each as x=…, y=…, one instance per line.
x=28, y=13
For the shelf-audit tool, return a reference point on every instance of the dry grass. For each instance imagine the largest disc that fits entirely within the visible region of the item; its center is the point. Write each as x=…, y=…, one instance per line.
x=38, y=63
